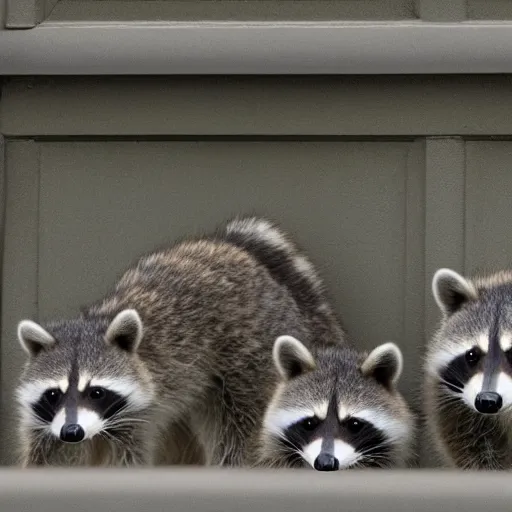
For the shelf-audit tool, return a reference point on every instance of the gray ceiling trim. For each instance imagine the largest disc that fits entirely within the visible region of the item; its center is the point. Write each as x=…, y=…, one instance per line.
x=257, y=48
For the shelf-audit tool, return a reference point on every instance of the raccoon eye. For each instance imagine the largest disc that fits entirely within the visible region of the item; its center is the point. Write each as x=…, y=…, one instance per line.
x=473, y=355
x=52, y=396
x=310, y=423
x=354, y=425
x=97, y=393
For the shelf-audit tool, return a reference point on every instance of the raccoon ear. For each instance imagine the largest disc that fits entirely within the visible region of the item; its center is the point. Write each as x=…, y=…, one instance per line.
x=451, y=291
x=125, y=331
x=33, y=338
x=384, y=364
x=291, y=357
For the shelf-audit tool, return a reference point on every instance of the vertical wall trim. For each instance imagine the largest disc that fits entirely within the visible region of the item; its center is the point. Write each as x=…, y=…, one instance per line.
x=2, y=231
x=441, y=10
x=414, y=254
x=3, y=14
x=444, y=229
x=445, y=214
x=20, y=271
x=24, y=13
x=414, y=275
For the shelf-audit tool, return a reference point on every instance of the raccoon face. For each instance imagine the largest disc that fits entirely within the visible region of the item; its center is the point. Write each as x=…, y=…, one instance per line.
x=337, y=409
x=471, y=355
x=82, y=377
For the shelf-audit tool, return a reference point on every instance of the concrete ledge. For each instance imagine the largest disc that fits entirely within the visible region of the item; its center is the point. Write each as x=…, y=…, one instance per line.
x=257, y=48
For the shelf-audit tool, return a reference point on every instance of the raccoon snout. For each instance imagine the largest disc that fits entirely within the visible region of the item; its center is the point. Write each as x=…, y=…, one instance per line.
x=326, y=462
x=72, y=433
x=488, y=402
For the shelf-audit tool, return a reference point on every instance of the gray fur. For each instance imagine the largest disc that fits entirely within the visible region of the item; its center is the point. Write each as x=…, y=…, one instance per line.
x=338, y=378
x=210, y=311
x=477, y=312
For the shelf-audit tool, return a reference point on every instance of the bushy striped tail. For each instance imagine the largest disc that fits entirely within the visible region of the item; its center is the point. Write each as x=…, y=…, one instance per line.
x=274, y=249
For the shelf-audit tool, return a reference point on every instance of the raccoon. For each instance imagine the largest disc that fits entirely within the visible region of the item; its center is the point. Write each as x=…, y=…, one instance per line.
x=175, y=365
x=336, y=408
x=468, y=371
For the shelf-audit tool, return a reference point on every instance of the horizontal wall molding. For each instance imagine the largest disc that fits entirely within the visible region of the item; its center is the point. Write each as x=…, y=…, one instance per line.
x=201, y=490
x=363, y=106
x=404, y=47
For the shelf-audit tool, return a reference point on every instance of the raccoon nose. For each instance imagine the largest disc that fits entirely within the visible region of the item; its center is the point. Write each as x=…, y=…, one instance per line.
x=488, y=402
x=326, y=462
x=72, y=433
